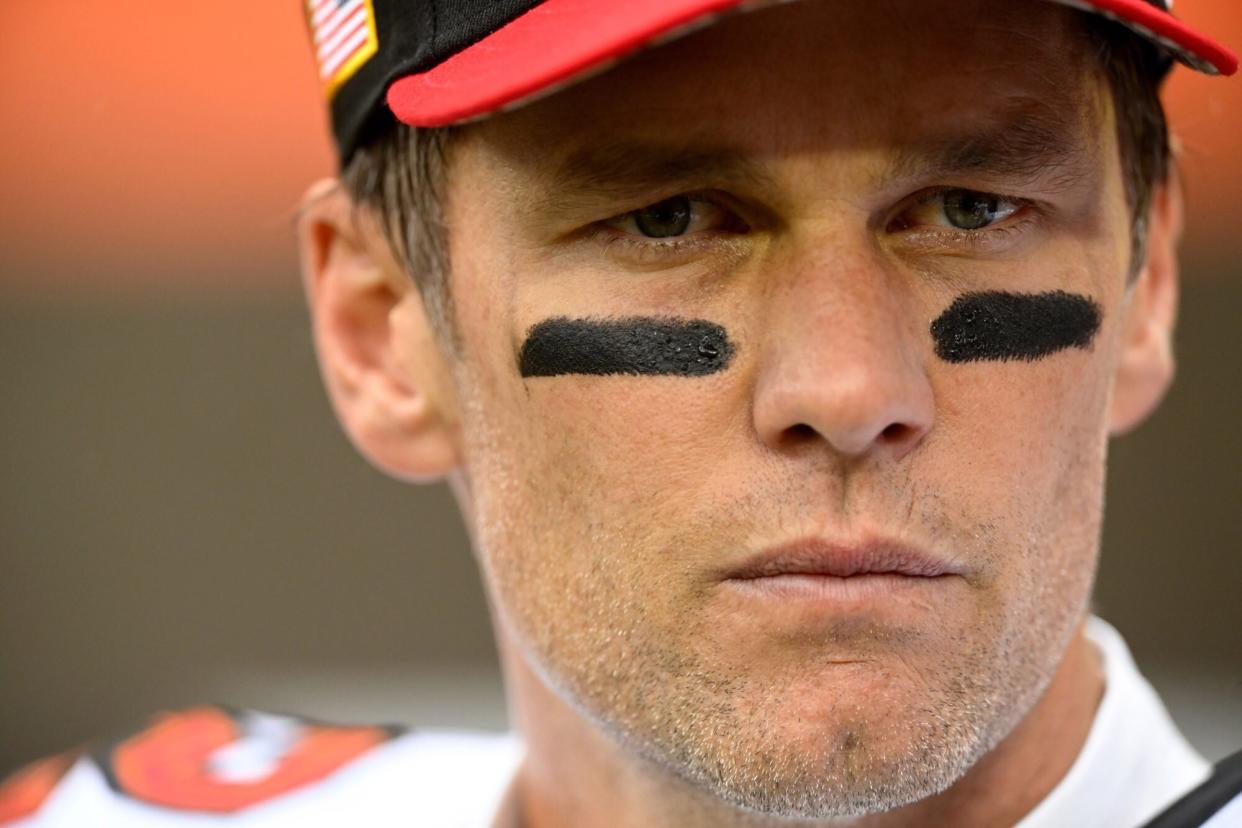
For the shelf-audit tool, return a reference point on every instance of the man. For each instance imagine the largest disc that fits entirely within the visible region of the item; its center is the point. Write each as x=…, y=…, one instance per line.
x=773, y=367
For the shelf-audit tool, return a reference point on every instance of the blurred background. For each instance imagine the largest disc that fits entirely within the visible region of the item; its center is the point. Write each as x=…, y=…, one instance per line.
x=180, y=519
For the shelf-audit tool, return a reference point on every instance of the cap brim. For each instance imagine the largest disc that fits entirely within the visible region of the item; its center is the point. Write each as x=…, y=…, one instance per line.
x=562, y=41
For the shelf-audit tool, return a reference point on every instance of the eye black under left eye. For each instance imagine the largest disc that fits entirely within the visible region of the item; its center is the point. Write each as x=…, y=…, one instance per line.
x=994, y=325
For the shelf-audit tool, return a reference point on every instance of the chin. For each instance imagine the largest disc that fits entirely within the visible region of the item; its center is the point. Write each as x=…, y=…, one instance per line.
x=847, y=772
x=808, y=751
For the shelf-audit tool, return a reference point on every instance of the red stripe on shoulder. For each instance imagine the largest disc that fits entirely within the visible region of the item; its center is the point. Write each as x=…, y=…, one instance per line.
x=23, y=793
x=175, y=763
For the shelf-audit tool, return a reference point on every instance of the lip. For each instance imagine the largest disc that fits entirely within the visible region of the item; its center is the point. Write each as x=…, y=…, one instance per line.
x=828, y=559
x=787, y=589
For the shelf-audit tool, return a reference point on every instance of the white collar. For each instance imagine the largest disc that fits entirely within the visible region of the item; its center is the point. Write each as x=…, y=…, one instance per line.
x=1134, y=762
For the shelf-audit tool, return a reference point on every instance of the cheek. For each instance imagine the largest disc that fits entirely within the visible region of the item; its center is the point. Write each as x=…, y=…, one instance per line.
x=1013, y=410
x=631, y=450
x=581, y=490
x=1027, y=382
x=1028, y=441
x=587, y=492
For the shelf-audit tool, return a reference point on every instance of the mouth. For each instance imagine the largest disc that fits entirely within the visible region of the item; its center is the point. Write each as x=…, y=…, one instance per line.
x=814, y=556
x=819, y=570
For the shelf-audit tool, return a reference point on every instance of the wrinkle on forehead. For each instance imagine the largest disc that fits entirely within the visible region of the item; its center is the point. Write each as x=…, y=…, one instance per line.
x=886, y=73
x=1022, y=141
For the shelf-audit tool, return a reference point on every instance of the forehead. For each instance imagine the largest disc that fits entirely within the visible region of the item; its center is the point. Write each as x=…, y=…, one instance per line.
x=805, y=74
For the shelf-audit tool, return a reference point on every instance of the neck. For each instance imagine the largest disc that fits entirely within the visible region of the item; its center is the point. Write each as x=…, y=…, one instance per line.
x=574, y=775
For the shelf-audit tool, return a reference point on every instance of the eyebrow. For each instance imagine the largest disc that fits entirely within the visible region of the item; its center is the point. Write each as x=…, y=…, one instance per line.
x=627, y=170
x=1023, y=145
x=1028, y=143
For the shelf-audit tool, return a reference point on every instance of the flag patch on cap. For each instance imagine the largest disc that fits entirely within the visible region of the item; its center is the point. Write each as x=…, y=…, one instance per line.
x=344, y=35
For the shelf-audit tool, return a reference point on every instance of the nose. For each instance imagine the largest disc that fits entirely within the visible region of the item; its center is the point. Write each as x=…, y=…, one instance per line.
x=841, y=364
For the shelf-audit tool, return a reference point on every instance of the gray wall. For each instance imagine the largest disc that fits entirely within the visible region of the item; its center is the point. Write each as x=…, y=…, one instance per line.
x=181, y=521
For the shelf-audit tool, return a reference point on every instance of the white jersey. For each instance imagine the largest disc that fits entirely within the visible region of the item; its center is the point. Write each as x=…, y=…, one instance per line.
x=215, y=767
x=209, y=767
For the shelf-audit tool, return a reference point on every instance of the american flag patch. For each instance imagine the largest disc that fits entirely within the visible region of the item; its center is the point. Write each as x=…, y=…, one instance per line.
x=344, y=35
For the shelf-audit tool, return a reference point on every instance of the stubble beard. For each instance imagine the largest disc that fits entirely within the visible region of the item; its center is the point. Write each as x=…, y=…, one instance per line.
x=722, y=734
x=651, y=686
x=720, y=730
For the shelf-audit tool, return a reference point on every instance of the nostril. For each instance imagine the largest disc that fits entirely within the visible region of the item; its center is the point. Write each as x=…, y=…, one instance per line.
x=894, y=433
x=801, y=433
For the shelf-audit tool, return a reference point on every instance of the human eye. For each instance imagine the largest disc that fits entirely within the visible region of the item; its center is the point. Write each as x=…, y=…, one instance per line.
x=675, y=225
x=675, y=217
x=961, y=216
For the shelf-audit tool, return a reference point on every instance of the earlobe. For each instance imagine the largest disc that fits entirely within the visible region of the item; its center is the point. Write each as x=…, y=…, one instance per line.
x=1145, y=364
x=381, y=364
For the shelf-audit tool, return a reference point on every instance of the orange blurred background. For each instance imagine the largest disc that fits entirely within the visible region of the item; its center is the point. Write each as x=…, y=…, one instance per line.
x=144, y=136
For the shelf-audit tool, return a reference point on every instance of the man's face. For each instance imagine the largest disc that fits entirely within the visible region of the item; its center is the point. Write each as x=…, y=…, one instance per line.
x=823, y=162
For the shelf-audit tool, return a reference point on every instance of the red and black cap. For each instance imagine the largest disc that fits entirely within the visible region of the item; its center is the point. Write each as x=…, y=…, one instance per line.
x=432, y=63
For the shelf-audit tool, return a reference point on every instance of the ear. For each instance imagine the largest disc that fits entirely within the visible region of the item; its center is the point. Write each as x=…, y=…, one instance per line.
x=1145, y=363
x=384, y=371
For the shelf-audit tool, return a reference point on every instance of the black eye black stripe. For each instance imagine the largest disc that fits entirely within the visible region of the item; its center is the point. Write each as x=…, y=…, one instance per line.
x=1014, y=326
x=634, y=345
